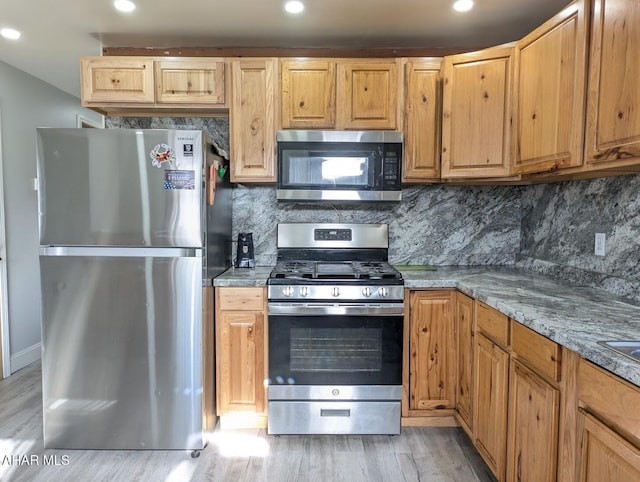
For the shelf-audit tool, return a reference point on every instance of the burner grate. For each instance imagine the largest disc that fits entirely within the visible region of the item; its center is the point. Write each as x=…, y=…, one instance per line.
x=355, y=270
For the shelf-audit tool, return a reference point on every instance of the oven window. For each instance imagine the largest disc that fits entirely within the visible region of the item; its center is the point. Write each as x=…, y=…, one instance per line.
x=336, y=349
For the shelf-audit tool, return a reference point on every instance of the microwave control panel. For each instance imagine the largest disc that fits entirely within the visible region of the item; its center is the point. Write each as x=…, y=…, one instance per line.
x=391, y=168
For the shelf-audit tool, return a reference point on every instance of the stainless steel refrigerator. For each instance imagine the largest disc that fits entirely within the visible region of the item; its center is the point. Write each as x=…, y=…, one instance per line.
x=133, y=223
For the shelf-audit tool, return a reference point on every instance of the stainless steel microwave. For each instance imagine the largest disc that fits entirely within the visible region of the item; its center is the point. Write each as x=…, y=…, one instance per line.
x=355, y=166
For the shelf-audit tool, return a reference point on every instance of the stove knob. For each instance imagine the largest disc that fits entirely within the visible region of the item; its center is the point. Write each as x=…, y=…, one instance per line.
x=366, y=291
x=304, y=291
x=383, y=292
x=335, y=291
x=287, y=291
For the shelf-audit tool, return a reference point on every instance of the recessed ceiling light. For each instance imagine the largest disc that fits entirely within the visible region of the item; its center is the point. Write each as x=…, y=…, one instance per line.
x=294, y=6
x=10, y=33
x=124, y=5
x=463, y=5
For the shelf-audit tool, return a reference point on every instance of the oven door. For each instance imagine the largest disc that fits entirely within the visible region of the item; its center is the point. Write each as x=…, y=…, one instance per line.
x=333, y=344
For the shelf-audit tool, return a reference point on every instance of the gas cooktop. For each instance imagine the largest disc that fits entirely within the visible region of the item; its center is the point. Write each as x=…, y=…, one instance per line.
x=354, y=271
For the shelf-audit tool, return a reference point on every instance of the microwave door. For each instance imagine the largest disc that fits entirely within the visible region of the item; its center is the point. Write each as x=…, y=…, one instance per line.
x=327, y=170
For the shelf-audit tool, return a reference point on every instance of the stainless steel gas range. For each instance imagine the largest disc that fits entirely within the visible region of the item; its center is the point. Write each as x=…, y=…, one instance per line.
x=336, y=315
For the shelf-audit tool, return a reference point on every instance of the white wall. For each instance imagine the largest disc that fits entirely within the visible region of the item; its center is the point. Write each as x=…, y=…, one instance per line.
x=27, y=103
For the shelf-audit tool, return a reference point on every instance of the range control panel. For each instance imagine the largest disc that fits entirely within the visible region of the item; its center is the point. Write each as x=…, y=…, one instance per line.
x=332, y=235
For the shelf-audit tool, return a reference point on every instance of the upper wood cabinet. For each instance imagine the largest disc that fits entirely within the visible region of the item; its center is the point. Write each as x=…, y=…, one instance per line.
x=549, y=86
x=431, y=352
x=476, y=113
x=116, y=80
x=422, y=106
x=308, y=94
x=340, y=93
x=252, y=120
x=147, y=84
x=190, y=81
x=613, y=108
x=368, y=94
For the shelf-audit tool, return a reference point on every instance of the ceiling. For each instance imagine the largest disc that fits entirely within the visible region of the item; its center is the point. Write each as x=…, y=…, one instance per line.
x=56, y=33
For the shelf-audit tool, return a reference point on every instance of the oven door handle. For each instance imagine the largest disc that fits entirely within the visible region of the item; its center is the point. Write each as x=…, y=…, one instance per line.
x=351, y=309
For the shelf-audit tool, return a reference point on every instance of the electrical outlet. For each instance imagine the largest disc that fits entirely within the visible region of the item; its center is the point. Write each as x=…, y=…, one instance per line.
x=599, y=245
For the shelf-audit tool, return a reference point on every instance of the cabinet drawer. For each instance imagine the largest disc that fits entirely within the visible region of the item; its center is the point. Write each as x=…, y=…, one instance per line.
x=241, y=299
x=542, y=354
x=492, y=323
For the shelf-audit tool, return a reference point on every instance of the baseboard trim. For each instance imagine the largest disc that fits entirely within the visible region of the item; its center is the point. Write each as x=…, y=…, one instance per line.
x=25, y=357
x=444, y=421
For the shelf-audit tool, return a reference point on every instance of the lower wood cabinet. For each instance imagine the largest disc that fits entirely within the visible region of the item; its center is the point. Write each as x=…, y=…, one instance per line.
x=533, y=426
x=534, y=406
x=464, y=351
x=491, y=385
x=608, y=426
x=429, y=344
x=606, y=456
x=240, y=356
x=535, y=411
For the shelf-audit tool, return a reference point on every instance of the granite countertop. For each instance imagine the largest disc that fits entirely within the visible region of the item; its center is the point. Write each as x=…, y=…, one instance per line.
x=575, y=317
x=244, y=276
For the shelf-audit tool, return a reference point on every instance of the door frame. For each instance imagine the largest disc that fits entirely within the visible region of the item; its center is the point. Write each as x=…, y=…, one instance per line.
x=5, y=360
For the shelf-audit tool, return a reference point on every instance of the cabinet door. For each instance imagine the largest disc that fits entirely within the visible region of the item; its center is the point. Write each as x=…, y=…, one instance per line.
x=533, y=426
x=606, y=456
x=117, y=80
x=252, y=120
x=491, y=365
x=431, y=351
x=613, y=116
x=190, y=81
x=368, y=94
x=308, y=94
x=464, y=351
x=476, y=117
x=549, y=86
x=422, y=126
x=240, y=355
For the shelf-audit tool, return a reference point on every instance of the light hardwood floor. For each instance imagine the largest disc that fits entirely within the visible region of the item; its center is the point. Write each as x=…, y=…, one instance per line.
x=418, y=454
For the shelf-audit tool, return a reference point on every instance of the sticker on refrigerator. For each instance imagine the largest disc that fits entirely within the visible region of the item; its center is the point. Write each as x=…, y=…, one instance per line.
x=162, y=153
x=187, y=150
x=179, y=179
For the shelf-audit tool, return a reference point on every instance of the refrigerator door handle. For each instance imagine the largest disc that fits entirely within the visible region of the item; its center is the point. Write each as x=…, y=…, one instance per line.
x=120, y=252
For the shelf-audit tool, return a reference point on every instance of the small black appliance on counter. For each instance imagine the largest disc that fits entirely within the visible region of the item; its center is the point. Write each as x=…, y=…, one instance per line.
x=244, y=252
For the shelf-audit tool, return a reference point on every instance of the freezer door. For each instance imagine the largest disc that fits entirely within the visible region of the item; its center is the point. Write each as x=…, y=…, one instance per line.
x=122, y=352
x=120, y=187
